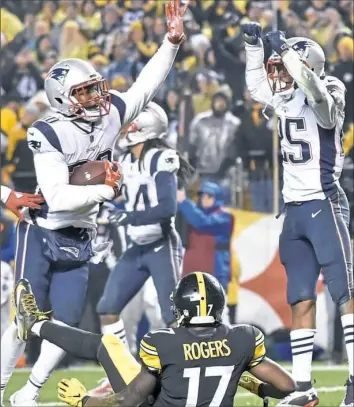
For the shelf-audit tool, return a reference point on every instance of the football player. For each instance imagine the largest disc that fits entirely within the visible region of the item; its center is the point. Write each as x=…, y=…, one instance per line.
x=315, y=235
x=150, y=192
x=55, y=244
x=15, y=201
x=198, y=363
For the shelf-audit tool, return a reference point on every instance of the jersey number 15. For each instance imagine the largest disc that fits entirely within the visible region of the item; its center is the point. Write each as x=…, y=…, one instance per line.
x=193, y=374
x=292, y=126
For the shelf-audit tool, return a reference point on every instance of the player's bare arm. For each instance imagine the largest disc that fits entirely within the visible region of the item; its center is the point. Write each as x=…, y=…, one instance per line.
x=133, y=395
x=276, y=382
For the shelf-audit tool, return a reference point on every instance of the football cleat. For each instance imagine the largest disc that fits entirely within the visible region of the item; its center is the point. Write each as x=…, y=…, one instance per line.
x=348, y=400
x=21, y=399
x=307, y=398
x=27, y=312
x=103, y=389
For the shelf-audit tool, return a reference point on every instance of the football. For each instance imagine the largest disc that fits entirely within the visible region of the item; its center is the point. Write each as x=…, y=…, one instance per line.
x=91, y=173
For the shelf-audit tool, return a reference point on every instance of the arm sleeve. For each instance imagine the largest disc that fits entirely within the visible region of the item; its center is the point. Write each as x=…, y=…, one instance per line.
x=326, y=97
x=53, y=177
x=211, y=223
x=149, y=355
x=5, y=193
x=256, y=76
x=164, y=165
x=259, y=348
x=132, y=102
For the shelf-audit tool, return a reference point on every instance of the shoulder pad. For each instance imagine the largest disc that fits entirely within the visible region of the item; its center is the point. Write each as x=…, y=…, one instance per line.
x=42, y=138
x=149, y=353
x=164, y=160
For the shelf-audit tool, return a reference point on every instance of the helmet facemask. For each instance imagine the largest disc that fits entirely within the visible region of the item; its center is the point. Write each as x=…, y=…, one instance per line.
x=90, y=100
x=279, y=79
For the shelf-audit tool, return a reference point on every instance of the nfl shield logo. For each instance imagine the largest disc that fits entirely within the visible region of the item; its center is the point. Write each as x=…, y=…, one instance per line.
x=58, y=74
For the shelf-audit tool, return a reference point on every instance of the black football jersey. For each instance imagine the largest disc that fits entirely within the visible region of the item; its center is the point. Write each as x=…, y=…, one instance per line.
x=201, y=367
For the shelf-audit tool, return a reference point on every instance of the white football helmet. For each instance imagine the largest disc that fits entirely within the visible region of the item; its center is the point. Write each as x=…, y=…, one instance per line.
x=151, y=123
x=311, y=54
x=75, y=88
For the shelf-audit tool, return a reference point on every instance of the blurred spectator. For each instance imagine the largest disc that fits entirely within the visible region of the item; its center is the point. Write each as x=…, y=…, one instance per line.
x=73, y=43
x=213, y=134
x=19, y=158
x=121, y=63
x=255, y=146
x=208, y=217
x=91, y=16
x=24, y=78
x=111, y=27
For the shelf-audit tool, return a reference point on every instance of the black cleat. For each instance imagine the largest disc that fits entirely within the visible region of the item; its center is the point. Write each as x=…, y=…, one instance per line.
x=27, y=312
x=349, y=395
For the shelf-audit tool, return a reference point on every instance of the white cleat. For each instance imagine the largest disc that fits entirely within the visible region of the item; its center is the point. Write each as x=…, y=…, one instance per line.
x=307, y=398
x=21, y=399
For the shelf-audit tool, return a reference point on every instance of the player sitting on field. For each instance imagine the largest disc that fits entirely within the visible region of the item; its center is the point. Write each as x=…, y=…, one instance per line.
x=199, y=363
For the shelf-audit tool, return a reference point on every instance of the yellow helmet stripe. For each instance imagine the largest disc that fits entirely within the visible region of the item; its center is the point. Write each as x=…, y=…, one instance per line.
x=202, y=292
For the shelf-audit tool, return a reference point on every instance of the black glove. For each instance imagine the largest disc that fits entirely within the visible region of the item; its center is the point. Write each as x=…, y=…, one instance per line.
x=118, y=217
x=277, y=40
x=251, y=32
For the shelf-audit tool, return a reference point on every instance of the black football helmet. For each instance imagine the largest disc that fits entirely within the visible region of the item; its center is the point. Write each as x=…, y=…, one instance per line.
x=198, y=299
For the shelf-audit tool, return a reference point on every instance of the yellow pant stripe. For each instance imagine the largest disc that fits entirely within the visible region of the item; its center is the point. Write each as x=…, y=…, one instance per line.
x=202, y=292
x=123, y=360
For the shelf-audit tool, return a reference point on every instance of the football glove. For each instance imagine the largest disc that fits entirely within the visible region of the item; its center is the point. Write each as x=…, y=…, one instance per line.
x=118, y=217
x=250, y=383
x=174, y=16
x=18, y=200
x=114, y=176
x=72, y=392
x=251, y=32
x=277, y=40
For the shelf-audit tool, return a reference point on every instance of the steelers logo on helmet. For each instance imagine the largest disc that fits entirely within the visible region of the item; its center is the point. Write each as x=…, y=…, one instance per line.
x=198, y=299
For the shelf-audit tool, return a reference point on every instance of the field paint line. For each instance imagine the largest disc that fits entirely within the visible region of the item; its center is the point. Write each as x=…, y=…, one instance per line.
x=92, y=369
x=320, y=390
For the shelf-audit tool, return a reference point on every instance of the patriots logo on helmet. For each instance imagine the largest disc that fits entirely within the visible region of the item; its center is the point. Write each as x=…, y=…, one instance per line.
x=36, y=145
x=58, y=74
x=303, y=48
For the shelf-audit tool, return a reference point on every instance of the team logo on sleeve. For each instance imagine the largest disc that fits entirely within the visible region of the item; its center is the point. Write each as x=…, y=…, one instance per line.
x=58, y=74
x=36, y=145
x=170, y=160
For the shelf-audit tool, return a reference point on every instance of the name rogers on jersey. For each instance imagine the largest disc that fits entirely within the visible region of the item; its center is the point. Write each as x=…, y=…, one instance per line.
x=206, y=350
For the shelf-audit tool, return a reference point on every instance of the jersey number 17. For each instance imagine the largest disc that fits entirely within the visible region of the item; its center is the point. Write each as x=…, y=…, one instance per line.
x=194, y=373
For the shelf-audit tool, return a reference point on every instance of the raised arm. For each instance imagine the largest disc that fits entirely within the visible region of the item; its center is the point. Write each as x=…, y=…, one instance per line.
x=325, y=96
x=256, y=76
x=132, y=102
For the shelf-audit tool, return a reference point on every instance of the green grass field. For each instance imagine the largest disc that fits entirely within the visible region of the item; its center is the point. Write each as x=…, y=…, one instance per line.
x=329, y=381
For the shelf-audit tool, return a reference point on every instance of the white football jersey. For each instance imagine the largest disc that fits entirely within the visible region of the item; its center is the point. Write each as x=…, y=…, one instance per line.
x=310, y=132
x=60, y=144
x=140, y=192
x=78, y=142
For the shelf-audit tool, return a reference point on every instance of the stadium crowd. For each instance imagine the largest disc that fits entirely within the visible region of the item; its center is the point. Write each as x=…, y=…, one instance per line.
x=212, y=119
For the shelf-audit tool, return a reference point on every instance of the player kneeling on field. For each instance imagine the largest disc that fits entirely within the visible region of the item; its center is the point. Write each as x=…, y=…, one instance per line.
x=199, y=363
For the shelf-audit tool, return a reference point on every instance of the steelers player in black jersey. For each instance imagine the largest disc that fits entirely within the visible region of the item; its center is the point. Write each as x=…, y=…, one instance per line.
x=199, y=363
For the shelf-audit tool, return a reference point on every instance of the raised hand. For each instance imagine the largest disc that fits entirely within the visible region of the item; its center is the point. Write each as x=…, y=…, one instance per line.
x=174, y=16
x=251, y=32
x=277, y=41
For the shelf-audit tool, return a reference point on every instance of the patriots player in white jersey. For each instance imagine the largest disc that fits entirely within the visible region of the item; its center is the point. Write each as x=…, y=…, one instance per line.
x=315, y=236
x=150, y=192
x=55, y=244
